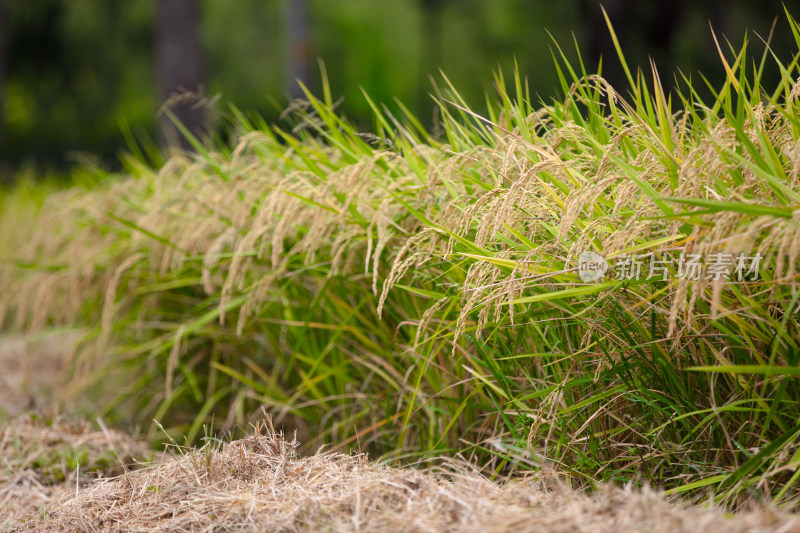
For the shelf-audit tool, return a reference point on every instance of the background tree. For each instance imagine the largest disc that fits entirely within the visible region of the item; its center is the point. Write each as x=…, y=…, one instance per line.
x=4, y=176
x=180, y=68
x=88, y=76
x=299, y=48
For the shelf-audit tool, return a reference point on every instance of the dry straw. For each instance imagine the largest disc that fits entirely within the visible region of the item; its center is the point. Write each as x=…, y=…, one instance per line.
x=259, y=484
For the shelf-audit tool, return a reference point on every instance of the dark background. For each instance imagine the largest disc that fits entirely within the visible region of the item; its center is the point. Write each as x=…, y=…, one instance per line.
x=77, y=75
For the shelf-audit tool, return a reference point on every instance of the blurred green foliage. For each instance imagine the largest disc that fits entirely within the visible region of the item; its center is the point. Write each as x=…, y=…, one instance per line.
x=79, y=71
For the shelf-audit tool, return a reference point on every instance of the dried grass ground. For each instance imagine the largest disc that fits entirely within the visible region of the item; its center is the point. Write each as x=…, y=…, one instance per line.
x=45, y=461
x=259, y=484
x=32, y=372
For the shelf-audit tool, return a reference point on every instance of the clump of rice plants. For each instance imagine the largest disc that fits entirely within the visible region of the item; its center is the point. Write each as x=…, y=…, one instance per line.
x=415, y=294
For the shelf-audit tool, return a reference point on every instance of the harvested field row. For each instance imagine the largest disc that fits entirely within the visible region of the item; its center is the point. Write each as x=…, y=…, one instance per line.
x=259, y=484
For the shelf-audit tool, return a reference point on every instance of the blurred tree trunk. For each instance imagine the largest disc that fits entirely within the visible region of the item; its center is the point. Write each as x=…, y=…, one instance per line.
x=432, y=46
x=433, y=19
x=299, y=49
x=179, y=58
x=598, y=40
x=658, y=28
x=2, y=84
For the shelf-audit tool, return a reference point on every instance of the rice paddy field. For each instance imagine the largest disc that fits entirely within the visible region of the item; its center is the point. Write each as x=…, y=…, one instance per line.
x=591, y=290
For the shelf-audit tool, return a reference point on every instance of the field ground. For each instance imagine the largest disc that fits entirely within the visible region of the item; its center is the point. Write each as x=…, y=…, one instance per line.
x=32, y=373
x=58, y=474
